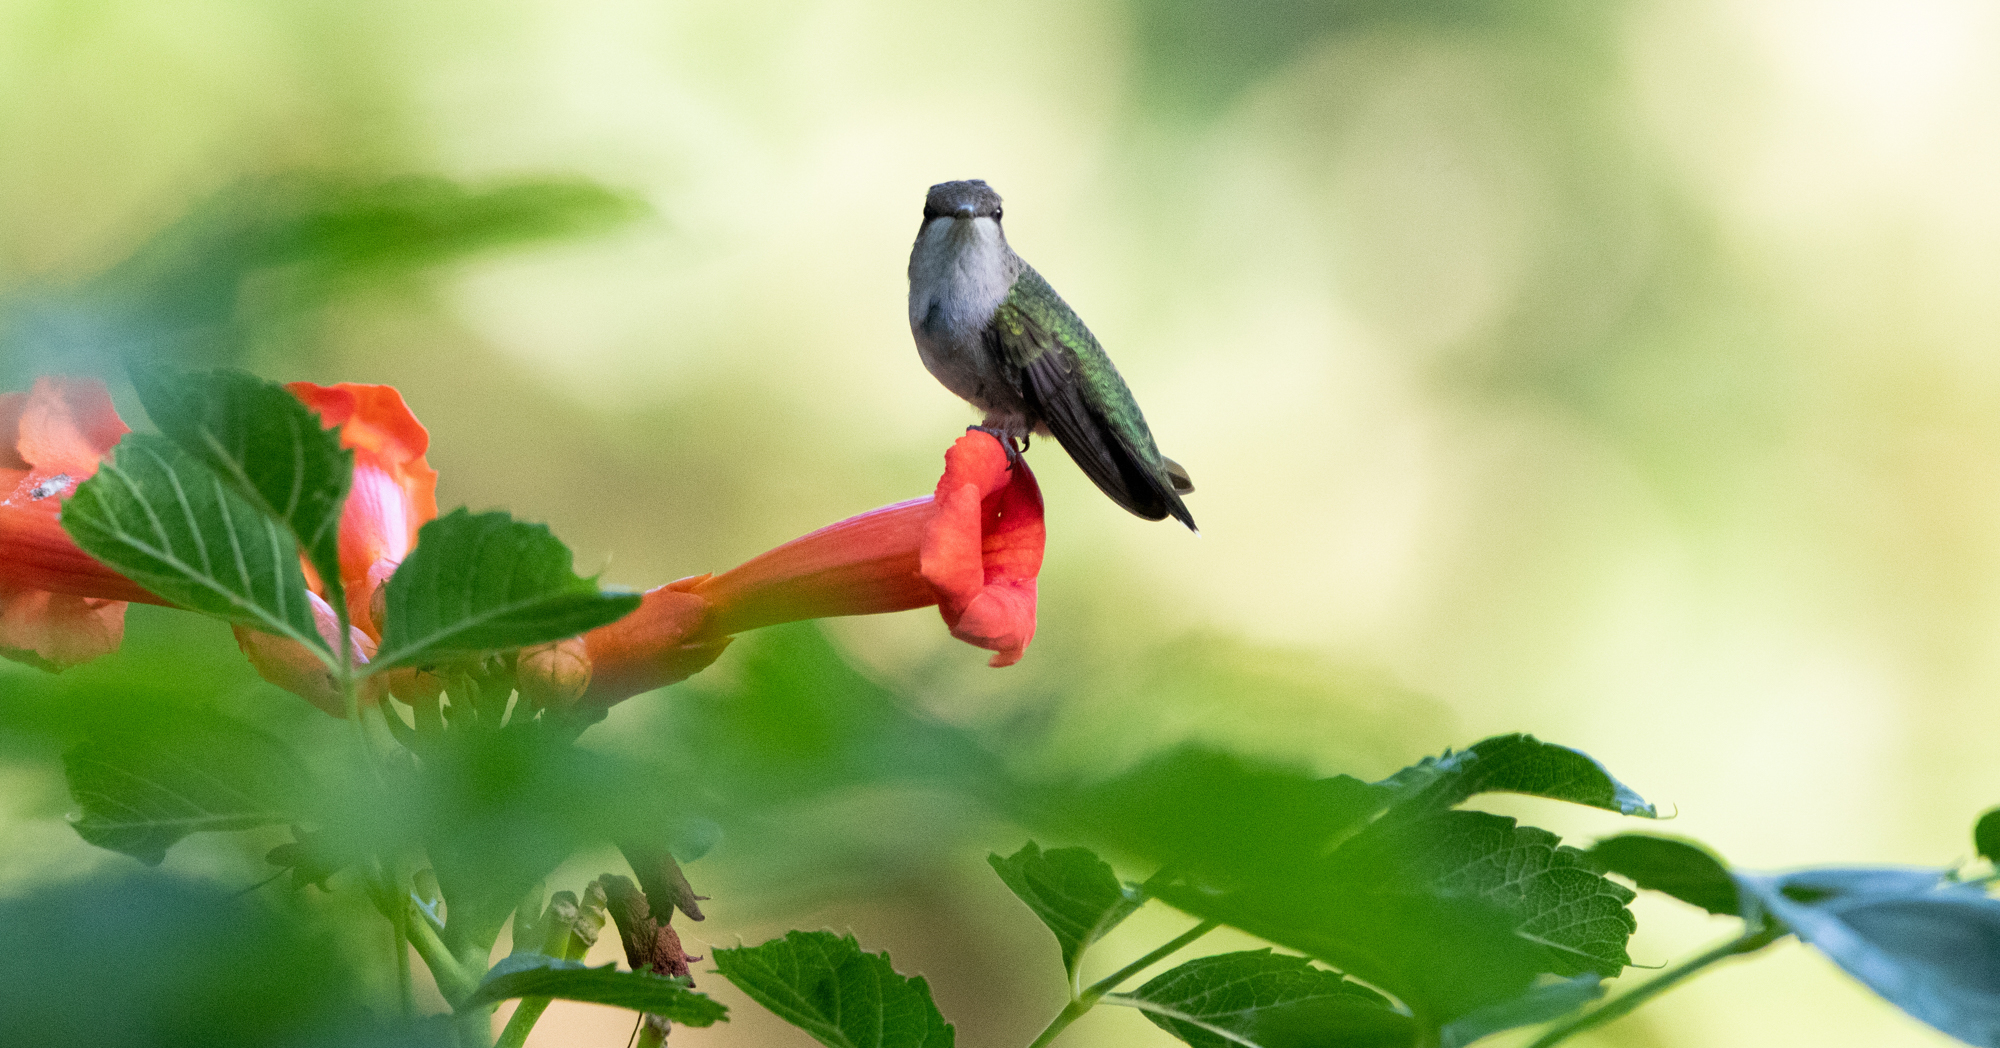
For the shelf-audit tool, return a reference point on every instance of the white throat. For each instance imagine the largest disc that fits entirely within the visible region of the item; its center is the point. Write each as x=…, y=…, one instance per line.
x=960, y=272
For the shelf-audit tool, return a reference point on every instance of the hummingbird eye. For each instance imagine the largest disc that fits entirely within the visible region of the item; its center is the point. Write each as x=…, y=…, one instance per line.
x=996, y=214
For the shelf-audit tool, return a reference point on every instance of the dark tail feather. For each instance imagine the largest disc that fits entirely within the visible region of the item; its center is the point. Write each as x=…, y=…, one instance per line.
x=1104, y=457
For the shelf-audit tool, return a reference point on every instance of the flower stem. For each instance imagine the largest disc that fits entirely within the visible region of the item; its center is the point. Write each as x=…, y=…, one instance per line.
x=405, y=996
x=1084, y=1001
x=521, y=1022
x=1754, y=937
x=453, y=979
x=530, y=1010
x=475, y=1026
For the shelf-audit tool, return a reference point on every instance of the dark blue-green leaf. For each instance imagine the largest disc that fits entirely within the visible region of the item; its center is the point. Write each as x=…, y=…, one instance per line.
x=1073, y=891
x=535, y=975
x=166, y=521
x=823, y=984
x=267, y=445
x=1267, y=1000
x=1682, y=869
x=1929, y=945
x=486, y=582
x=142, y=791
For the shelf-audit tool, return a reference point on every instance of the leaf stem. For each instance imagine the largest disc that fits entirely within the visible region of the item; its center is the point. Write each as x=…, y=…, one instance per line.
x=1084, y=1001
x=1071, y=1012
x=1754, y=937
x=1110, y=982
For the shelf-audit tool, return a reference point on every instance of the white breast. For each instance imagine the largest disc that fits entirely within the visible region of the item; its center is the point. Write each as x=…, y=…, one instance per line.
x=960, y=272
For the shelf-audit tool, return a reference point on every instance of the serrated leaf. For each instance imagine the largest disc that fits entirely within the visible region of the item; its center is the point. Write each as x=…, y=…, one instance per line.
x=1515, y=764
x=1551, y=890
x=1266, y=1000
x=1442, y=956
x=1928, y=945
x=1074, y=892
x=1541, y=1004
x=1217, y=813
x=1451, y=913
x=140, y=792
x=1682, y=869
x=166, y=521
x=266, y=444
x=536, y=975
x=823, y=984
x=1986, y=835
x=486, y=582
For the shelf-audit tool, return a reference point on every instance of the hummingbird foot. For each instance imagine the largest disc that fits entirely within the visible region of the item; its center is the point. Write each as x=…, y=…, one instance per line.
x=1016, y=447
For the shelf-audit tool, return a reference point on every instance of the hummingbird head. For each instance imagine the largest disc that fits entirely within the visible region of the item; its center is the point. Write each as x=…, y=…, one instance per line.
x=963, y=201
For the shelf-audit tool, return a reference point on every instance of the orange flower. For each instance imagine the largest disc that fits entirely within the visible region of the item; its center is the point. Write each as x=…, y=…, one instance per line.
x=984, y=549
x=973, y=549
x=58, y=606
x=394, y=491
x=393, y=494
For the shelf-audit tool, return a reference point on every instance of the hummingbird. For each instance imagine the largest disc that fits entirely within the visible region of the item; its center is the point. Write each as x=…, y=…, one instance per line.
x=995, y=333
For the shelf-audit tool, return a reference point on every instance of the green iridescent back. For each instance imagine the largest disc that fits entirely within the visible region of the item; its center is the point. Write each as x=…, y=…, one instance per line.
x=1034, y=320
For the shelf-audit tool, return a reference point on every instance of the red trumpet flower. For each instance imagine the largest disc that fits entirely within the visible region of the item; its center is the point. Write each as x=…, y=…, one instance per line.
x=973, y=548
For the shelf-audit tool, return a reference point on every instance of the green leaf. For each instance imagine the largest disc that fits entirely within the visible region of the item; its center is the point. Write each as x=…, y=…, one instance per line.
x=1515, y=764
x=823, y=984
x=1925, y=943
x=1451, y=912
x=212, y=287
x=1682, y=869
x=1986, y=835
x=535, y=975
x=1542, y=1004
x=1551, y=889
x=266, y=444
x=1267, y=1000
x=168, y=522
x=142, y=791
x=1073, y=891
x=313, y=857
x=485, y=582
x=1216, y=813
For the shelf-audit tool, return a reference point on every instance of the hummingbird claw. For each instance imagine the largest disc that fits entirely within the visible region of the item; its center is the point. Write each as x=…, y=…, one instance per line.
x=1014, y=449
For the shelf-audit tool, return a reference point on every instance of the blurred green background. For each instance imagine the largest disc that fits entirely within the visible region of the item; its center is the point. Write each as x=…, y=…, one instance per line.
x=1620, y=372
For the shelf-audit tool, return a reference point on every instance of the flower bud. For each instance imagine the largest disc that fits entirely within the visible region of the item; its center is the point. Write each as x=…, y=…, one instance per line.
x=553, y=676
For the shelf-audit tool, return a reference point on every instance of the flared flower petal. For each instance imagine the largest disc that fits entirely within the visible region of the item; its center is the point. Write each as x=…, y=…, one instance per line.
x=58, y=606
x=983, y=548
x=973, y=549
x=56, y=630
x=295, y=668
x=394, y=491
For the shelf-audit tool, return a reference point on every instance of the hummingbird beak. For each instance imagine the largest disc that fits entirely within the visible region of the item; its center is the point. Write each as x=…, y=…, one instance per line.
x=962, y=211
